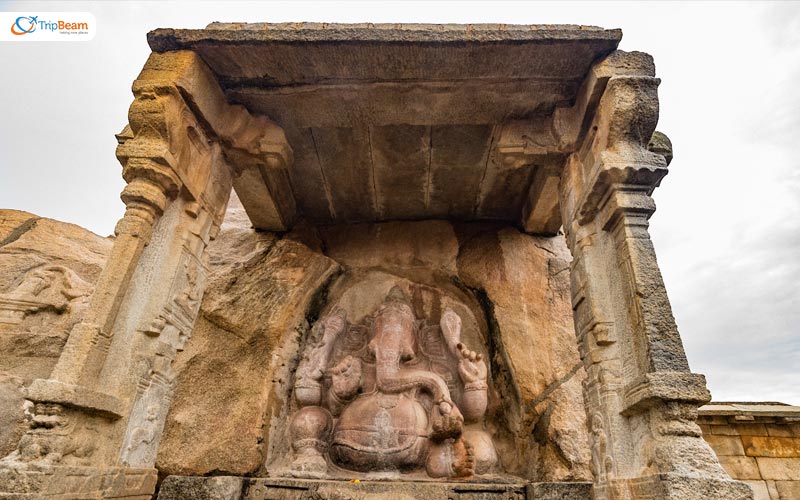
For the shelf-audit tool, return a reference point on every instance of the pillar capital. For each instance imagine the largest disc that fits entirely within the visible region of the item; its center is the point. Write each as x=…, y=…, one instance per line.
x=254, y=147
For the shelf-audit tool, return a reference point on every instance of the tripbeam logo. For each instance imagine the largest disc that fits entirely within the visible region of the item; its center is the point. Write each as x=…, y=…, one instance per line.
x=48, y=26
x=24, y=25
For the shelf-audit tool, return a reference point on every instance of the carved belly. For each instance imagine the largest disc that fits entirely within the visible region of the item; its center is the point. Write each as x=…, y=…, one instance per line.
x=380, y=432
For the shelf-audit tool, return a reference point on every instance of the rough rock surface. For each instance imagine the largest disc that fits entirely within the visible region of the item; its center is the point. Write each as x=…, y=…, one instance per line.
x=524, y=281
x=29, y=348
x=235, y=374
x=27, y=241
x=511, y=289
x=244, y=341
x=12, y=417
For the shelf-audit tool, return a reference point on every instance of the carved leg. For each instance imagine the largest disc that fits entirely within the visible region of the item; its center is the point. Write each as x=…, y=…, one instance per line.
x=310, y=433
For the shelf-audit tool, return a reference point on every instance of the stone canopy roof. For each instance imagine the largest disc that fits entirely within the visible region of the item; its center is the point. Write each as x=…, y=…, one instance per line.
x=398, y=122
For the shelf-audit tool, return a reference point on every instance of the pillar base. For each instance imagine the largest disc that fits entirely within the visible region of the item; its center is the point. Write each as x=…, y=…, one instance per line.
x=674, y=487
x=52, y=482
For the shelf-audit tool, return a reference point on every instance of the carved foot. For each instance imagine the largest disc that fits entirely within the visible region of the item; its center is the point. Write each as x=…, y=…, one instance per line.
x=453, y=458
x=463, y=459
x=447, y=421
x=482, y=449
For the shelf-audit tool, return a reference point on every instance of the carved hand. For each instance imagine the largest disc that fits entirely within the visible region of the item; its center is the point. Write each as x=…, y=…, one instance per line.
x=446, y=421
x=346, y=378
x=471, y=366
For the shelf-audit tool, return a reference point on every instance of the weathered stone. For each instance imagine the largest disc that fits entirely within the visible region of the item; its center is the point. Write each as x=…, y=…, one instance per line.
x=772, y=487
x=779, y=469
x=740, y=467
x=755, y=429
x=766, y=431
x=406, y=411
x=301, y=489
x=760, y=490
x=12, y=409
x=47, y=269
x=201, y=488
x=437, y=351
x=726, y=445
x=253, y=312
x=523, y=280
x=560, y=491
x=781, y=447
x=788, y=490
x=427, y=245
x=28, y=241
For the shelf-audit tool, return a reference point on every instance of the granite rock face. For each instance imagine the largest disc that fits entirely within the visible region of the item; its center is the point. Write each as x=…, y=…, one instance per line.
x=235, y=370
x=47, y=271
x=524, y=285
x=233, y=399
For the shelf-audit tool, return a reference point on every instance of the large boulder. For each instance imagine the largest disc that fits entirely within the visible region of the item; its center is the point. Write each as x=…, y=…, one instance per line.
x=234, y=373
x=524, y=282
x=51, y=266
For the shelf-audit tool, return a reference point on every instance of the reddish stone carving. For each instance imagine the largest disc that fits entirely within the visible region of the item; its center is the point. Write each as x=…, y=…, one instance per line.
x=385, y=384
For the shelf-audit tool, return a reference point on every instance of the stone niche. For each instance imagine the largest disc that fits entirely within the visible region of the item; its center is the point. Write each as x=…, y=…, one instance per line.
x=417, y=351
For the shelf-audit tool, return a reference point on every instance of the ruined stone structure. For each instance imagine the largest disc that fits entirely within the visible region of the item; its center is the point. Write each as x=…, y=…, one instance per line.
x=757, y=443
x=433, y=277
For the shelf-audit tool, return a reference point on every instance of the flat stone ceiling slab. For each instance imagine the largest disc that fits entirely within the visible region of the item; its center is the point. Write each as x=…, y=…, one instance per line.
x=399, y=121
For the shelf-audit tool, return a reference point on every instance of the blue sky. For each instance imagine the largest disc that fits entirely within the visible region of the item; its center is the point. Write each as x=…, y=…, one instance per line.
x=727, y=229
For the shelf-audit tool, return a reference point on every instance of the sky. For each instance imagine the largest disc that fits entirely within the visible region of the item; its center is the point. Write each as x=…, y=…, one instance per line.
x=727, y=228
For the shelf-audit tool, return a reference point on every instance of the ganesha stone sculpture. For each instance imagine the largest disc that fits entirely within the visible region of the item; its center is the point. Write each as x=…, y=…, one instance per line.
x=390, y=395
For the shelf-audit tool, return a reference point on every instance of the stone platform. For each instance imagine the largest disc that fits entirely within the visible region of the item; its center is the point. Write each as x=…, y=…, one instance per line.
x=240, y=488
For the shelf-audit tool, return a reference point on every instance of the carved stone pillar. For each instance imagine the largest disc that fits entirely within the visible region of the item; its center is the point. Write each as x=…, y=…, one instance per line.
x=641, y=398
x=97, y=421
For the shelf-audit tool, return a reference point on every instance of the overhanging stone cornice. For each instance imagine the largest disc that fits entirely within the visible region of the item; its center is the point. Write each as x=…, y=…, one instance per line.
x=166, y=39
x=405, y=121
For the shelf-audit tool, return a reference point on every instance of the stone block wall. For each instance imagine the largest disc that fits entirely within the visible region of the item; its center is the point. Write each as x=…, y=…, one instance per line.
x=758, y=443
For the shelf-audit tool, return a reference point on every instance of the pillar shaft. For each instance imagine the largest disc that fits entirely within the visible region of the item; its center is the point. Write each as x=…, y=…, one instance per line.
x=641, y=398
x=98, y=419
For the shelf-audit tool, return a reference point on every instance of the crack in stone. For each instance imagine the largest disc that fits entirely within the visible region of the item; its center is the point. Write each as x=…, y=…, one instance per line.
x=550, y=389
x=19, y=231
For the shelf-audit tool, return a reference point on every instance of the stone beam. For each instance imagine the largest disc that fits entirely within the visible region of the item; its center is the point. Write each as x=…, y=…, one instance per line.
x=641, y=398
x=533, y=143
x=255, y=148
